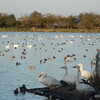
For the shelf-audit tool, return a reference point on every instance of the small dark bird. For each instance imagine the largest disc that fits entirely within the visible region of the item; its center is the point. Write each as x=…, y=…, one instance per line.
x=23, y=88
x=16, y=91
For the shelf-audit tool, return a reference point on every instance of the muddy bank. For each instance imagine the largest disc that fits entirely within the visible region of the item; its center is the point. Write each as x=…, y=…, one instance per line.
x=66, y=92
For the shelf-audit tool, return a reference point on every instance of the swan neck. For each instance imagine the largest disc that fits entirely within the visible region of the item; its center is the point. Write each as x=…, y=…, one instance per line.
x=66, y=71
x=81, y=68
x=45, y=75
x=77, y=82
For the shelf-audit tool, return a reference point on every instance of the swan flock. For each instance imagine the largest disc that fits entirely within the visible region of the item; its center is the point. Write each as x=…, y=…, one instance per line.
x=50, y=81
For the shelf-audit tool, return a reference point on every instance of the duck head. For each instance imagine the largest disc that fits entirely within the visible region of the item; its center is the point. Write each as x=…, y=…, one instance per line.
x=42, y=74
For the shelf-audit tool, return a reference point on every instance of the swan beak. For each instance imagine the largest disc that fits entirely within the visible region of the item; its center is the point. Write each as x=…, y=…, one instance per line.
x=63, y=67
x=40, y=75
x=74, y=66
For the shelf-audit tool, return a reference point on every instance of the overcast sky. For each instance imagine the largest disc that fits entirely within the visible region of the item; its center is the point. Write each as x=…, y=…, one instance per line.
x=60, y=7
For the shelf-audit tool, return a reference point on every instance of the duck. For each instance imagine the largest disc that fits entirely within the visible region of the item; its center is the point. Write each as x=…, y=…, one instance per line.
x=70, y=79
x=82, y=87
x=16, y=91
x=23, y=88
x=32, y=67
x=48, y=81
x=84, y=73
x=67, y=58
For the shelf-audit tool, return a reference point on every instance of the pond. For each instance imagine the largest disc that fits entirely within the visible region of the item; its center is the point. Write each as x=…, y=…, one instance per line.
x=23, y=54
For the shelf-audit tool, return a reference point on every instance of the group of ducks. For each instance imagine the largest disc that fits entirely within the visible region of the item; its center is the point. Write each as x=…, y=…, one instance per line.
x=70, y=79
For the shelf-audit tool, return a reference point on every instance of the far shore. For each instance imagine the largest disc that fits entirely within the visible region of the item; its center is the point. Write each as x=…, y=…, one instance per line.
x=49, y=30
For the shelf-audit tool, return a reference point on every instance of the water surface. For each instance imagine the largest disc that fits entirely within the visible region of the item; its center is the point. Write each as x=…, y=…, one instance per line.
x=29, y=48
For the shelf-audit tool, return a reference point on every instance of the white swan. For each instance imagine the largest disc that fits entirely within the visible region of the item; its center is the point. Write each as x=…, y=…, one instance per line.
x=81, y=87
x=48, y=80
x=84, y=73
x=70, y=79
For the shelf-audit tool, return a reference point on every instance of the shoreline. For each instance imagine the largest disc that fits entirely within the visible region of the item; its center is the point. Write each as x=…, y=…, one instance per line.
x=49, y=30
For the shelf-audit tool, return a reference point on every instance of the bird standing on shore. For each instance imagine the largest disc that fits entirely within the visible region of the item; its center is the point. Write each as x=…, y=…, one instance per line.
x=48, y=80
x=84, y=73
x=70, y=79
x=81, y=87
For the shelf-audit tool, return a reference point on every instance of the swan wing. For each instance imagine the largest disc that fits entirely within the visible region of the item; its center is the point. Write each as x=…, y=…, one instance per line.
x=50, y=81
x=70, y=79
x=85, y=88
x=86, y=74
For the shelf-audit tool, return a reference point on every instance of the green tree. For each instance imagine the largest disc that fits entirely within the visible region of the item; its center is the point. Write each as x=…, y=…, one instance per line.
x=97, y=21
x=50, y=19
x=71, y=22
x=3, y=17
x=10, y=20
x=24, y=22
x=35, y=19
x=86, y=20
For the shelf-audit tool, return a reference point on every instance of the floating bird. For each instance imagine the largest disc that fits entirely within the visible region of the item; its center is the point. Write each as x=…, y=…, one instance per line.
x=23, y=88
x=70, y=79
x=7, y=46
x=15, y=45
x=48, y=80
x=84, y=73
x=29, y=46
x=81, y=87
x=67, y=58
x=16, y=91
x=31, y=67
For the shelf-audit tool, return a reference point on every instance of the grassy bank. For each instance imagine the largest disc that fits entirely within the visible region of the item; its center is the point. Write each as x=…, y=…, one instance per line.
x=49, y=30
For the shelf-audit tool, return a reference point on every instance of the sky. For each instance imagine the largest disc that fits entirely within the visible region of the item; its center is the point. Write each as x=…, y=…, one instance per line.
x=59, y=7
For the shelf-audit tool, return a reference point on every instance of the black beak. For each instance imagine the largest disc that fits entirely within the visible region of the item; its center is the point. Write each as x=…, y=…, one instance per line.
x=74, y=67
x=62, y=67
x=39, y=75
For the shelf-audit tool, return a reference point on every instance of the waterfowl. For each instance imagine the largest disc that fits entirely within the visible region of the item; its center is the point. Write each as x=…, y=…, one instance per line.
x=67, y=58
x=23, y=88
x=70, y=79
x=48, y=80
x=31, y=67
x=84, y=73
x=16, y=91
x=81, y=87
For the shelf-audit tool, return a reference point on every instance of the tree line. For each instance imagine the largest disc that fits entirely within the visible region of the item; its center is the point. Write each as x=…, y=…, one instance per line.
x=38, y=20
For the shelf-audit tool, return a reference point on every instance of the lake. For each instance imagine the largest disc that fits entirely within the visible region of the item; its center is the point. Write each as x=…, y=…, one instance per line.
x=23, y=54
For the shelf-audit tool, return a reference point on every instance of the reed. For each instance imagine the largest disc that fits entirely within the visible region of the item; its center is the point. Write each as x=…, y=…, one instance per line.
x=96, y=81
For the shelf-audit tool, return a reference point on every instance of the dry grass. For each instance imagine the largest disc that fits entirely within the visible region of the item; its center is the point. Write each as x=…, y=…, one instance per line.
x=16, y=29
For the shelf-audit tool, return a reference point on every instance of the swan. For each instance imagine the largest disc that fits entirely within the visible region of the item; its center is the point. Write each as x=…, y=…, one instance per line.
x=81, y=87
x=84, y=73
x=48, y=80
x=70, y=79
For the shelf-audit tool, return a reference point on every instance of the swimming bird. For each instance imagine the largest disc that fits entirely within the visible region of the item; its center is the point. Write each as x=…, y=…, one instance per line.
x=48, y=80
x=81, y=87
x=23, y=88
x=70, y=79
x=84, y=73
x=16, y=91
x=67, y=58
